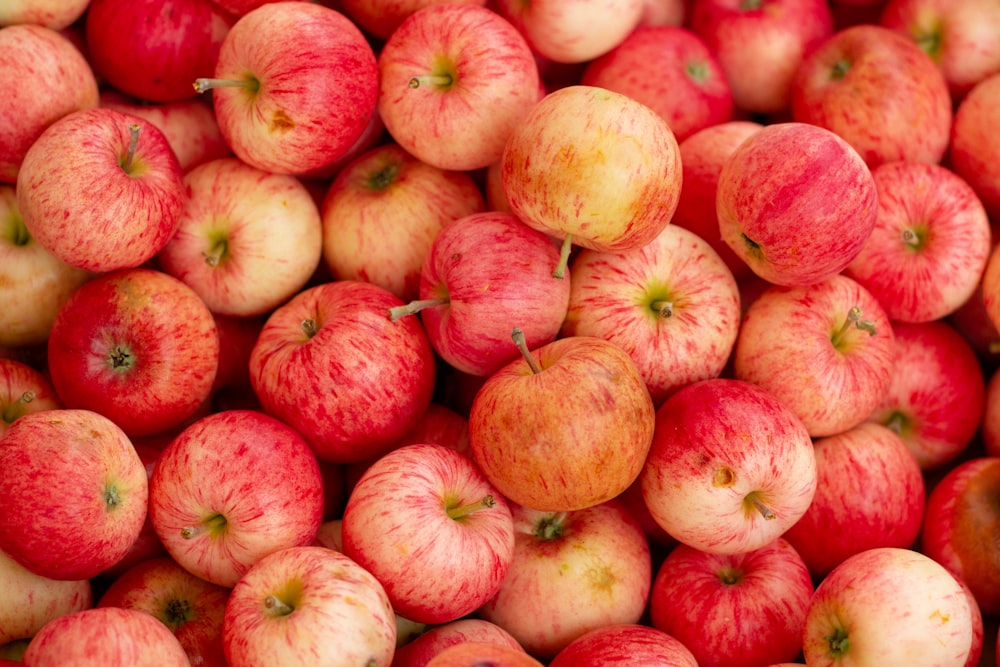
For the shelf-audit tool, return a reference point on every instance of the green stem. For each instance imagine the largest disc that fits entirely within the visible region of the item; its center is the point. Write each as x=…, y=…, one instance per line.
x=465, y=510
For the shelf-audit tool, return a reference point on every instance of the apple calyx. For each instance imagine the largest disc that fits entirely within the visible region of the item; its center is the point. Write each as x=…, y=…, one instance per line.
x=839, y=642
x=111, y=497
x=753, y=248
x=697, y=71
x=753, y=502
x=416, y=306
x=853, y=321
x=518, y=335
x=277, y=607
x=913, y=238
x=177, y=613
x=730, y=576
x=564, y=251
x=930, y=43
x=383, y=177
x=214, y=525
x=896, y=422
x=251, y=83
x=461, y=511
x=550, y=527
x=840, y=69
x=12, y=411
x=120, y=357
x=133, y=143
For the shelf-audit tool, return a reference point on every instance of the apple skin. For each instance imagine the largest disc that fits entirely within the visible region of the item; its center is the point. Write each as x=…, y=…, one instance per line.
x=380, y=18
x=419, y=651
x=87, y=489
x=356, y=385
x=490, y=83
x=888, y=606
x=799, y=343
x=169, y=44
x=23, y=390
x=761, y=45
x=231, y=488
x=722, y=446
x=796, y=202
x=494, y=270
x=589, y=444
x=990, y=423
x=870, y=494
x=31, y=600
x=247, y=241
x=572, y=572
x=624, y=643
x=877, y=90
x=697, y=598
x=339, y=614
x=958, y=523
x=80, y=201
x=52, y=14
x=671, y=70
x=137, y=346
x=475, y=654
x=615, y=296
x=973, y=142
x=383, y=210
x=191, y=607
x=62, y=82
x=313, y=81
x=593, y=164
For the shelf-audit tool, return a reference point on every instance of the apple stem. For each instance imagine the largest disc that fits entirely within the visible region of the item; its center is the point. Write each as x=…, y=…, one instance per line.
x=215, y=255
x=911, y=238
x=518, y=335
x=201, y=85
x=414, y=307
x=26, y=397
x=461, y=511
x=440, y=80
x=214, y=524
x=853, y=319
x=190, y=532
x=664, y=308
x=309, y=327
x=133, y=144
x=564, y=250
x=277, y=607
x=764, y=510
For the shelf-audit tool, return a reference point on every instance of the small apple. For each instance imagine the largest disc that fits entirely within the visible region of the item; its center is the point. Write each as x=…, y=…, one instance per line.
x=23, y=390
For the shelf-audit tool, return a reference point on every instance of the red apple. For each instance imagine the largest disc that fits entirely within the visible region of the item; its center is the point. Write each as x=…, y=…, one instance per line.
x=23, y=390
x=231, y=488
x=476, y=654
x=974, y=143
x=624, y=643
x=990, y=424
x=77, y=493
x=419, y=651
x=380, y=18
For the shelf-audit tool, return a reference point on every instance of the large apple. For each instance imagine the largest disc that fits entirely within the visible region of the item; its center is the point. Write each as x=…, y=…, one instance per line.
x=730, y=469
x=796, y=202
x=77, y=493
x=585, y=413
x=101, y=190
x=137, y=346
x=455, y=80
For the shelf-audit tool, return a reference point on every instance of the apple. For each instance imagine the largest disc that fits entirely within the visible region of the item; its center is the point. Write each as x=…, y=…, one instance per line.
x=761, y=44
x=80, y=490
x=672, y=304
x=825, y=350
x=572, y=572
x=154, y=49
x=697, y=598
x=958, y=36
x=191, y=607
x=990, y=422
x=31, y=600
x=382, y=211
x=730, y=469
x=418, y=651
x=973, y=143
x=62, y=82
x=231, y=488
x=137, y=346
x=455, y=81
x=664, y=12
x=480, y=273
x=53, y=14
x=380, y=19
x=703, y=155
x=188, y=125
x=888, y=606
x=294, y=86
x=101, y=190
x=671, y=70
x=879, y=91
x=308, y=605
x=870, y=493
x=572, y=31
x=796, y=203
x=476, y=654
x=586, y=412
x=23, y=390
x=593, y=167
x=247, y=241
x=425, y=521
x=624, y=643
x=332, y=364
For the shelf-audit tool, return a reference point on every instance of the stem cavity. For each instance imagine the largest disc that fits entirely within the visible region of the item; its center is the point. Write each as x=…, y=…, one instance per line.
x=522, y=345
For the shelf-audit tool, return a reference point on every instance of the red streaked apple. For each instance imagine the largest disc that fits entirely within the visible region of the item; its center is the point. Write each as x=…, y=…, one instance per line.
x=426, y=522
x=624, y=643
x=974, y=143
x=231, y=488
x=796, y=203
x=80, y=489
x=380, y=18
x=333, y=365
x=62, y=82
x=418, y=651
x=137, y=346
x=730, y=469
x=308, y=605
x=247, y=241
x=53, y=14
x=586, y=412
x=101, y=190
x=990, y=424
x=294, y=86
x=825, y=350
x=23, y=390
x=478, y=653
x=455, y=80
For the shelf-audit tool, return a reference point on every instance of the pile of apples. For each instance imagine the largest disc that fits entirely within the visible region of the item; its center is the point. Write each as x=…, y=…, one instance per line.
x=370, y=333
